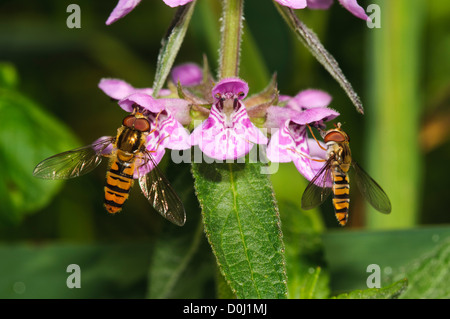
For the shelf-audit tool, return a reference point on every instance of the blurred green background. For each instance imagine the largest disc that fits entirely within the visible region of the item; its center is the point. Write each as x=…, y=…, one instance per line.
x=50, y=102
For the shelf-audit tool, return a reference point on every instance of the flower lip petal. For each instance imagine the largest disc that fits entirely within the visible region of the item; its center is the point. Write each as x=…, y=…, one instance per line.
x=122, y=9
x=235, y=86
x=118, y=89
x=319, y=4
x=314, y=115
x=309, y=99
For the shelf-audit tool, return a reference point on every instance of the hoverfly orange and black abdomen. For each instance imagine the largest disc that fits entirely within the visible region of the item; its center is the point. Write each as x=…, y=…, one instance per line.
x=130, y=141
x=127, y=153
x=334, y=178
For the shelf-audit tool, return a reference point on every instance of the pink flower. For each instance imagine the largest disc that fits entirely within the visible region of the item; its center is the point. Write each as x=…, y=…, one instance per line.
x=165, y=130
x=124, y=7
x=188, y=74
x=350, y=5
x=290, y=142
x=228, y=132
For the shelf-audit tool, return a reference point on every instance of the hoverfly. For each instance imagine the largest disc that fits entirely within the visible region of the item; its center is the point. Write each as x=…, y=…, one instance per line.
x=127, y=153
x=333, y=178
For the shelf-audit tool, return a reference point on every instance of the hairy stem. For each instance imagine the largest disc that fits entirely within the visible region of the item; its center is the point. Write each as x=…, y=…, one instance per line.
x=231, y=38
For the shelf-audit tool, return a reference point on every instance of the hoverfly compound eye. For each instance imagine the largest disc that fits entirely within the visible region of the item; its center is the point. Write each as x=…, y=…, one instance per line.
x=129, y=121
x=334, y=136
x=138, y=123
x=142, y=124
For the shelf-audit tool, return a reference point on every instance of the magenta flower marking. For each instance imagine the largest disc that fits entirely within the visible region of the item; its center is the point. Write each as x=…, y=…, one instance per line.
x=165, y=130
x=290, y=141
x=228, y=132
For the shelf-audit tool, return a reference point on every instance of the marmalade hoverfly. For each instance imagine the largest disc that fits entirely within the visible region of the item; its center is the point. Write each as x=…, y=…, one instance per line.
x=127, y=154
x=333, y=177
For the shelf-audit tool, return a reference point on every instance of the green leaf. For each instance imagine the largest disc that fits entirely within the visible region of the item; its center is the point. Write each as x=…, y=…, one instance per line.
x=390, y=292
x=305, y=257
x=171, y=45
x=8, y=75
x=312, y=42
x=242, y=225
x=179, y=266
x=349, y=253
x=27, y=136
x=182, y=265
x=429, y=275
x=106, y=271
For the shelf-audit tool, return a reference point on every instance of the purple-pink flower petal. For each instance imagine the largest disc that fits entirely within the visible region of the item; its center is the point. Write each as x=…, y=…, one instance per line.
x=277, y=116
x=176, y=3
x=308, y=99
x=118, y=89
x=293, y=4
x=218, y=140
x=354, y=8
x=142, y=100
x=229, y=87
x=122, y=9
x=315, y=116
x=187, y=74
x=319, y=4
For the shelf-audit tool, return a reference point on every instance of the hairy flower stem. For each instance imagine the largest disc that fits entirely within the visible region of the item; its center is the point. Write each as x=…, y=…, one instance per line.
x=232, y=17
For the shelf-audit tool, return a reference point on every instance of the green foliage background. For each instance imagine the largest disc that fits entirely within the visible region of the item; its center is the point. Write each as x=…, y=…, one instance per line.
x=49, y=102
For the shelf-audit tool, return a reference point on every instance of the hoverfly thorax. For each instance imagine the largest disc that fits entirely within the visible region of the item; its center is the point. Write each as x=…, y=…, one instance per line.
x=132, y=135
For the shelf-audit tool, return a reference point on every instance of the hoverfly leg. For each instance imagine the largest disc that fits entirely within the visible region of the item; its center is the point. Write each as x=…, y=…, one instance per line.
x=309, y=127
x=306, y=156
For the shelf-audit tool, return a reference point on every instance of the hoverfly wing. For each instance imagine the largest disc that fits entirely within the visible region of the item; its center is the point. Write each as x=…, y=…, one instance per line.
x=371, y=191
x=318, y=188
x=161, y=195
x=73, y=163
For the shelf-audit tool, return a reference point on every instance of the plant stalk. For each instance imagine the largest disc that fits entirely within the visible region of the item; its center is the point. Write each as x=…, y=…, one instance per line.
x=232, y=17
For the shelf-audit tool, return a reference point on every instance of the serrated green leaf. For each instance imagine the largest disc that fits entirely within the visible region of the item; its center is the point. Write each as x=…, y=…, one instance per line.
x=27, y=136
x=349, y=253
x=390, y=292
x=171, y=44
x=313, y=44
x=242, y=225
x=429, y=276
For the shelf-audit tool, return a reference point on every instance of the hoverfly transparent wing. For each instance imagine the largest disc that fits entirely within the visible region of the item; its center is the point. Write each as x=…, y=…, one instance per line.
x=318, y=188
x=161, y=195
x=371, y=191
x=75, y=162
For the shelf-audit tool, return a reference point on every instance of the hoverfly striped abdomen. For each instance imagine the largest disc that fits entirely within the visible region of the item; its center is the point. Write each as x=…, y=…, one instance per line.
x=339, y=151
x=130, y=140
x=333, y=178
x=341, y=192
